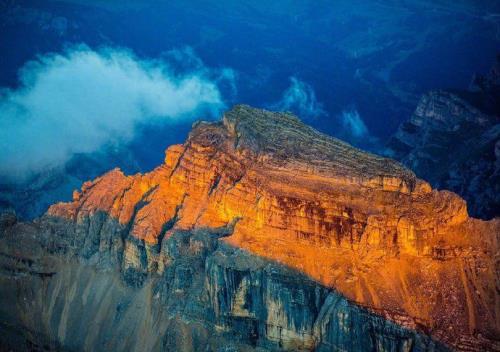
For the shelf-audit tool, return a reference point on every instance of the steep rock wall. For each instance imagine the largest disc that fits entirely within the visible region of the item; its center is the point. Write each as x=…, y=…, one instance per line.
x=352, y=222
x=209, y=296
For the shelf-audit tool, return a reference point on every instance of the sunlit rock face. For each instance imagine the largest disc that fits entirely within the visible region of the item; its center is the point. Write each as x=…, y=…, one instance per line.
x=322, y=247
x=209, y=296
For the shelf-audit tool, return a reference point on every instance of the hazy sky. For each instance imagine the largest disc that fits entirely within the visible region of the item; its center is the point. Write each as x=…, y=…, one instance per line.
x=354, y=69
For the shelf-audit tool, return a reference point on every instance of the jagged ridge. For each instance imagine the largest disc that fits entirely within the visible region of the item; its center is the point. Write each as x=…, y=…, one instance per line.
x=358, y=223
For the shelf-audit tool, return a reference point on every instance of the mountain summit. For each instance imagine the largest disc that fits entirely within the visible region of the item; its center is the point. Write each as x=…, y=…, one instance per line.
x=266, y=233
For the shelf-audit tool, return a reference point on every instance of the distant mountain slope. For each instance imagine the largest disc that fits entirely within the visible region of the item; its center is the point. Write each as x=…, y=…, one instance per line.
x=452, y=140
x=32, y=197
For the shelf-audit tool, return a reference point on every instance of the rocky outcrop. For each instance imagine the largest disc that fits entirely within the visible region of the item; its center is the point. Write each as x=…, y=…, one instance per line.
x=259, y=232
x=455, y=146
x=209, y=296
x=32, y=195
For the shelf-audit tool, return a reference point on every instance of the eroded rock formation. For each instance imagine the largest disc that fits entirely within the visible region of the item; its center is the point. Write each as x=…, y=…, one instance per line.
x=324, y=247
x=452, y=140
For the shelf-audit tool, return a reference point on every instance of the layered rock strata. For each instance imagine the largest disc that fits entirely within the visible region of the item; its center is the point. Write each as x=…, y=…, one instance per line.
x=209, y=296
x=405, y=260
x=455, y=146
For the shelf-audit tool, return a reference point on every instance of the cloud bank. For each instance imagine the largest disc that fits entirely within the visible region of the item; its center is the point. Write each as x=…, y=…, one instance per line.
x=300, y=99
x=81, y=100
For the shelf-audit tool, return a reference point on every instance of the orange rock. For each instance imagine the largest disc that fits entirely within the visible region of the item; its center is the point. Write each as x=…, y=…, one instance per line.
x=356, y=222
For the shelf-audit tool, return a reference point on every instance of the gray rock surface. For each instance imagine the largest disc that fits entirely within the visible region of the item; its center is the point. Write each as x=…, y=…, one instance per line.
x=90, y=286
x=455, y=146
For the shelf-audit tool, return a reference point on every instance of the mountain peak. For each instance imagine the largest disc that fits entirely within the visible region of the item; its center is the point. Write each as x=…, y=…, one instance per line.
x=352, y=221
x=281, y=139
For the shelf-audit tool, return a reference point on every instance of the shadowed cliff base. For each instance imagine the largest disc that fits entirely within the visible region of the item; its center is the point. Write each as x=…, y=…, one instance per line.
x=200, y=294
x=355, y=223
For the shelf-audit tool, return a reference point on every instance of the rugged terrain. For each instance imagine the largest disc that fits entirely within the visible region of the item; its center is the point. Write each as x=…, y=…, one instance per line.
x=257, y=233
x=31, y=196
x=452, y=140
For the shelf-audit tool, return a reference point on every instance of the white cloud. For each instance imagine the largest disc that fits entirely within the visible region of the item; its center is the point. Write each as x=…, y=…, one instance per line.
x=78, y=101
x=300, y=99
x=352, y=124
x=353, y=129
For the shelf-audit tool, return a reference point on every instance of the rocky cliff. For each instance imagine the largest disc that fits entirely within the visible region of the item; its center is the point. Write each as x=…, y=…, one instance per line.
x=452, y=140
x=257, y=233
